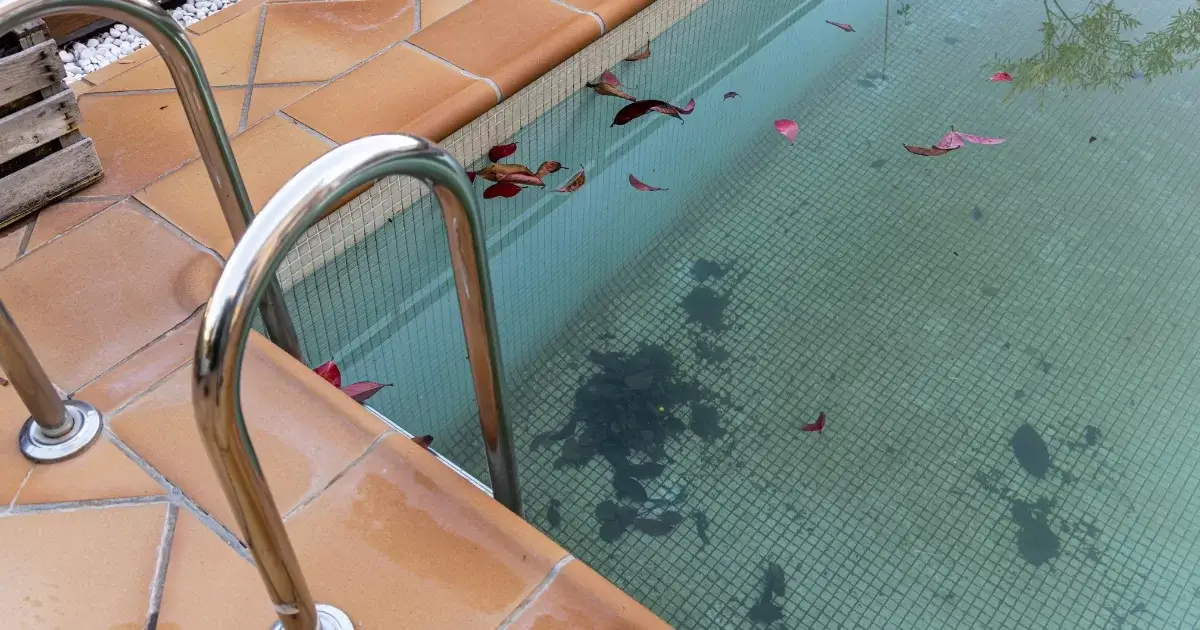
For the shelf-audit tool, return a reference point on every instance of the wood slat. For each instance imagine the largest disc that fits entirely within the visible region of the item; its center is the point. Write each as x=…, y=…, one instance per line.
x=50, y=179
x=38, y=124
x=29, y=71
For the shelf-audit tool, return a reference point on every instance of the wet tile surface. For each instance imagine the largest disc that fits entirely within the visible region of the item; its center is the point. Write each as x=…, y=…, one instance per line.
x=233, y=595
x=144, y=369
x=504, y=55
x=400, y=90
x=75, y=582
x=304, y=431
x=268, y=154
x=116, y=302
x=313, y=41
x=580, y=599
x=417, y=528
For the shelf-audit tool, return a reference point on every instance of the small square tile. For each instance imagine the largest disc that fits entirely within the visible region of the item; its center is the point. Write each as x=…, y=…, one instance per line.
x=85, y=304
x=313, y=41
x=268, y=154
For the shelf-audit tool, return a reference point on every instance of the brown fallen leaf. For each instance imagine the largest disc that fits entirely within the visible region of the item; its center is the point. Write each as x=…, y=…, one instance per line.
x=641, y=54
x=495, y=172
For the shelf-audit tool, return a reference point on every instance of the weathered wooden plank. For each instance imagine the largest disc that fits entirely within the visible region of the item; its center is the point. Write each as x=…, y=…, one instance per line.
x=38, y=124
x=50, y=179
x=29, y=71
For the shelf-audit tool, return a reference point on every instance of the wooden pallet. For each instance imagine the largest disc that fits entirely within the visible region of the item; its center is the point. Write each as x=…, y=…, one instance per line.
x=43, y=156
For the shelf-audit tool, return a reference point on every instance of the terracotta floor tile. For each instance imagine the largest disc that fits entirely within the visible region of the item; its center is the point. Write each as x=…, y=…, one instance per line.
x=225, y=15
x=268, y=100
x=96, y=574
x=614, y=12
x=60, y=217
x=138, y=373
x=434, y=10
x=122, y=65
x=400, y=90
x=268, y=154
x=91, y=298
x=581, y=599
x=101, y=472
x=419, y=529
x=225, y=52
x=209, y=586
x=10, y=241
x=526, y=38
x=13, y=465
x=304, y=432
x=141, y=136
x=313, y=41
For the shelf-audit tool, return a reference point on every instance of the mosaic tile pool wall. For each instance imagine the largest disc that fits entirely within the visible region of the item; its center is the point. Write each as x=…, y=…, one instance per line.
x=1002, y=338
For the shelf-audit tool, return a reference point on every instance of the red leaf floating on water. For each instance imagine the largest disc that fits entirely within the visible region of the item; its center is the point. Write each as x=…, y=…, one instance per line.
x=637, y=109
x=611, y=79
x=502, y=189
x=788, y=128
x=973, y=139
x=927, y=152
x=1000, y=77
x=330, y=372
x=424, y=441
x=640, y=185
x=844, y=27
x=729, y=95
x=640, y=55
x=523, y=179
x=815, y=427
x=573, y=184
x=672, y=110
x=501, y=151
x=363, y=390
x=471, y=176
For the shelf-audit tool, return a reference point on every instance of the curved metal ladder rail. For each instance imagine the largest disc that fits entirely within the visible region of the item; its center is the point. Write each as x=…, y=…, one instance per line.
x=225, y=327
x=184, y=64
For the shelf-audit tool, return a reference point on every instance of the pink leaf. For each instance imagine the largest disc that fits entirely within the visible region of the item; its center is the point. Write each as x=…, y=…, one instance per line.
x=844, y=27
x=687, y=109
x=788, y=128
x=502, y=189
x=980, y=139
x=523, y=179
x=638, y=184
x=330, y=372
x=610, y=78
x=363, y=390
x=1001, y=77
x=501, y=151
x=729, y=95
x=952, y=140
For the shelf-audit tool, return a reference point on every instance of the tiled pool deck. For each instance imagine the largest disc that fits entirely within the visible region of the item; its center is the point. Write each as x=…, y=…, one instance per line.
x=107, y=286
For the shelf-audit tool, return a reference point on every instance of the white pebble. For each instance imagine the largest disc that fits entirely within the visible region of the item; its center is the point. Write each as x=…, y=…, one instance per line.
x=72, y=68
x=120, y=28
x=92, y=43
x=126, y=48
x=66, y=56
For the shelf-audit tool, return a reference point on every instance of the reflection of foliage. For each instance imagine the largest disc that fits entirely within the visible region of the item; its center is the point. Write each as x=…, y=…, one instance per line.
x=1093, y=49
x=904, y=11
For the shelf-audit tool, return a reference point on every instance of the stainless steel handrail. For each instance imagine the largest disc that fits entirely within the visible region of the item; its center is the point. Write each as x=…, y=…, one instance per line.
x=205, y=120
x=55, y=430
x=225, y=327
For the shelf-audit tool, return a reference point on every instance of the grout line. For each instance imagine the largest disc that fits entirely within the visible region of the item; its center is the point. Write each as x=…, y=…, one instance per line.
x=133, y=92
x=193, y=315
x=314, y=496
x=595, y=16
x=85, y=504
x=324, y=138
x=217, y=88
x=160, y=567
x=94, y=198
x=179, y=497
x=416, y=16
x=462, y=71
x=29, y=235
x=255, y=53
x=13, y=503
x=537, y=592
x=152, y=214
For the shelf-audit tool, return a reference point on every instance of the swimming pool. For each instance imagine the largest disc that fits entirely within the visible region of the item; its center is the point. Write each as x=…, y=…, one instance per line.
x=1002, y=339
